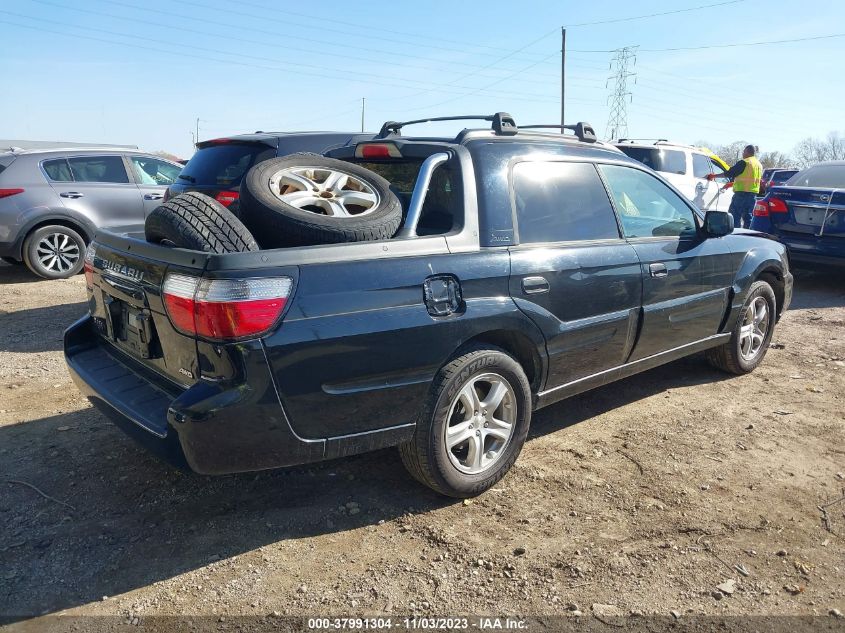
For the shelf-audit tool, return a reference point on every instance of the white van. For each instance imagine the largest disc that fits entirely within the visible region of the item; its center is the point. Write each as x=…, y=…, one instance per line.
x=686, y=167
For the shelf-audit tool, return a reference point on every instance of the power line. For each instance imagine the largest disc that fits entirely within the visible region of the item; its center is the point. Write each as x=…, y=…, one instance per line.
x=390, y=82
x=252, y=41
x=655, y=15
x=617, y=120
x=734, y=45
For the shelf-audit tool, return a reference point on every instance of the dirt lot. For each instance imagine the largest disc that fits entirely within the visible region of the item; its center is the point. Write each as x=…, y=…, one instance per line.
x=643, y=496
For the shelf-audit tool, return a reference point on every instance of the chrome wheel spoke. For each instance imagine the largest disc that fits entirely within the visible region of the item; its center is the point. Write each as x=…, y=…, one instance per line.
x=299, y=199
x=333, y=208
x=499, y=429
x=469, y=398
x=459, y=433
x=494, y=398
x=360, y=198
x=335, y=181
x=475, y=454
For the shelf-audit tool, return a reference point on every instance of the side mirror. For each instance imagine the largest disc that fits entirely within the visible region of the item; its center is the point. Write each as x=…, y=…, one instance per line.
x=718, y=223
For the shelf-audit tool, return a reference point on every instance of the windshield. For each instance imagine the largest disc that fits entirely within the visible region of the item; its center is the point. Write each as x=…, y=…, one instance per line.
x=826, y=176
x=224, y=165
x=666, y=160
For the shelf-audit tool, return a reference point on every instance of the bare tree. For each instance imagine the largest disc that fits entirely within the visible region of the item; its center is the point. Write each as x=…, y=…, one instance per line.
x=775, y=159
x=732, y=152
x=813, y=150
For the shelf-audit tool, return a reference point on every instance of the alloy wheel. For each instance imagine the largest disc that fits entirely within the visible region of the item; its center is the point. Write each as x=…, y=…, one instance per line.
x=324, y=191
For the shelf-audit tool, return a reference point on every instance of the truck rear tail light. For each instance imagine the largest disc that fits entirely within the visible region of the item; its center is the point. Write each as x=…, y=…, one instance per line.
x=5, y=193
x=377, y=150
x=227, y=197
x=225, y=309
x=88, y=265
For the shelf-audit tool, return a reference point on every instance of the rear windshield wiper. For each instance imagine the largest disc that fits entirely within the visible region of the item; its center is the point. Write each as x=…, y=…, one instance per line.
x=188, y=178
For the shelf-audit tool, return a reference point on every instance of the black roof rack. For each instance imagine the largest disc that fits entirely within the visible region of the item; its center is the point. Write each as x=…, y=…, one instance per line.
x=503, y=123
x=583, y=130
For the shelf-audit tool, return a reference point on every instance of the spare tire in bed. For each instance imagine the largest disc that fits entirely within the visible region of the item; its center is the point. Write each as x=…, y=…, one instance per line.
x=305, y=199
x=195, y=221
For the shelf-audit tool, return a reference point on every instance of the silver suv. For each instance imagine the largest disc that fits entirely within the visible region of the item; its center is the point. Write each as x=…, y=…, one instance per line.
x=52, y=202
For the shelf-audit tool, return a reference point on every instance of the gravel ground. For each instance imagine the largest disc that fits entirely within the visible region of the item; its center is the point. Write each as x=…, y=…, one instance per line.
x=679, y=490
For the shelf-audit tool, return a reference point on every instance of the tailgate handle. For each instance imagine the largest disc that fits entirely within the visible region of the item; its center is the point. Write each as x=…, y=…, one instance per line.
x=129, y=291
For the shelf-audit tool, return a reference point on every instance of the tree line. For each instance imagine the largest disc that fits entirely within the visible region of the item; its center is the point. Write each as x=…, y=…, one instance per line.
x=808, y=152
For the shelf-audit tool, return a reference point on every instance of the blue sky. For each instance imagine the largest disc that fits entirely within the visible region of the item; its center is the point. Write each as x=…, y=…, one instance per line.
x=127, y=71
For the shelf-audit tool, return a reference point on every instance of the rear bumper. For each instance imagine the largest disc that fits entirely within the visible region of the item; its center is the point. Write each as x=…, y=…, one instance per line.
x=210, y=428
x=829, y=251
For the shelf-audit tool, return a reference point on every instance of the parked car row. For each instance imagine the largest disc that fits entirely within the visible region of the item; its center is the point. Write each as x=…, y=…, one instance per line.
x=52, y=202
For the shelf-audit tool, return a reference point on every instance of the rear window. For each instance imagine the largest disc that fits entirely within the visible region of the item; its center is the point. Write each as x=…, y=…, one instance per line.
x=666, y=160
x=819, y=176
x=783, y=175
x=224, y=165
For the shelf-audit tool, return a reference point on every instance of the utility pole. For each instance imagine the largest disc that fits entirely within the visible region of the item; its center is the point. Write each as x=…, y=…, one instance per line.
x=617, y=121
x=363, y=106
x=198, y=130
x=562, y=77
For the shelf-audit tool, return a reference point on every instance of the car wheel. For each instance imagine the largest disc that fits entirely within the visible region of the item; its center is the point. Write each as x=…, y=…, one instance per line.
x=12, y=261
x=305, y=199
x=751, y=335
x=54, y=252
x=472, y=426
x=196, y=222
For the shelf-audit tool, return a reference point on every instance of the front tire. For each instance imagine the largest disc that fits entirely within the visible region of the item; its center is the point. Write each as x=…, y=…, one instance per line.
x=472, y=426
x=751, y=335
x=54, y=252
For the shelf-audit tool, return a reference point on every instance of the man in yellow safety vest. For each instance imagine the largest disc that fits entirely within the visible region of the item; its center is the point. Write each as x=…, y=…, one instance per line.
x=746, y=176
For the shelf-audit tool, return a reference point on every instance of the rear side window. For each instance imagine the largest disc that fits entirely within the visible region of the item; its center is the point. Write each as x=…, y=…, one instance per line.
x=58, y=170
x=98, y=169
x=224, y=165
x=561, y=202
x=826, y=176
x=701, y=166
x=666, y=160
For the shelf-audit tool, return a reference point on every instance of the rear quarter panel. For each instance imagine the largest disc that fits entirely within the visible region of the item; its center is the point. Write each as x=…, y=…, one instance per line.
x=358, y=350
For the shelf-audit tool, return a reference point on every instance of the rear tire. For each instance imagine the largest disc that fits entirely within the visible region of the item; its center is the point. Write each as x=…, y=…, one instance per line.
x=199, y=223
x=751, y=335
x=464, y=443
x=54, y=252
x=306, y=199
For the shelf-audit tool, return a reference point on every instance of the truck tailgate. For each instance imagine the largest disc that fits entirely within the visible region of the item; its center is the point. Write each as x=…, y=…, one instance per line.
x=127, y=309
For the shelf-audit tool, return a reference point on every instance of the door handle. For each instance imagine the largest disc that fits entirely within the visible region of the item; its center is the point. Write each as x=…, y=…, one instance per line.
x=153, y=196
x=535, y=285
x=71, y=194
x=658, y=270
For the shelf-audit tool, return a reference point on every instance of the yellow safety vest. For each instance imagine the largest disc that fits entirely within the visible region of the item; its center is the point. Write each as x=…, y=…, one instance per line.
x=749, y=179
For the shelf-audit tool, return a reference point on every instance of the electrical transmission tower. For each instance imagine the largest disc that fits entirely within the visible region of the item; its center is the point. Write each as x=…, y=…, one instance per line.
x=617, y=120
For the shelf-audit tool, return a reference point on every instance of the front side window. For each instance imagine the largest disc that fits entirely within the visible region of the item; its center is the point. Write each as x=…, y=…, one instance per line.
x=646, y=206
x=561, y=202
x=58, y=170
x=98, y=169
x=151, y=171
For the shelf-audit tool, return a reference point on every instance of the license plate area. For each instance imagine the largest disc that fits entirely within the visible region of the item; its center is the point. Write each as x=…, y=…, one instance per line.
x=809, y=216
x=130, y=327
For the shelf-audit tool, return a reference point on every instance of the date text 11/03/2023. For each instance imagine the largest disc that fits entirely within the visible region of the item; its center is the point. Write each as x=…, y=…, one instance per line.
x=418, y=623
